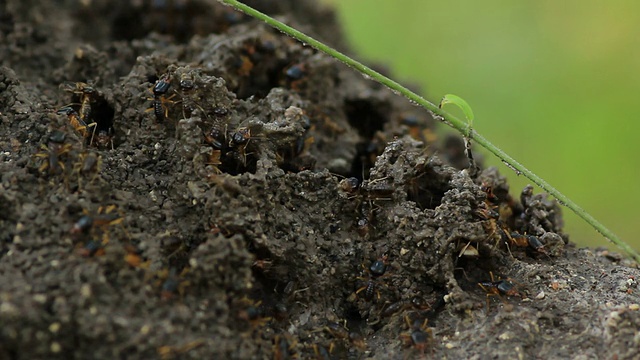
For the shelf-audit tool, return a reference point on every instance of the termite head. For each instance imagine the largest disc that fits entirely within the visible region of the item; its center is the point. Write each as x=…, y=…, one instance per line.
x=162, y=85
x=349, y=185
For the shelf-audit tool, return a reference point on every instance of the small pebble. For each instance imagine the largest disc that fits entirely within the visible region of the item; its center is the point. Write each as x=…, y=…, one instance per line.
x=54, y=327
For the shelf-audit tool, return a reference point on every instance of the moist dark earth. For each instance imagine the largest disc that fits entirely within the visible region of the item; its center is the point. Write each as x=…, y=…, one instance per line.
x=180, y=181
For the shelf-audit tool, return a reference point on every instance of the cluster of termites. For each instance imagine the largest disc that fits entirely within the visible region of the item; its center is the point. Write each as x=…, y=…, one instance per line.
x=89, y=115
x=513, y=227
x=502, y=219
x=499, y=215
x=93, y=231
x=230, y=147
x=366, y=194
x=414, y=312
x=233, y=147
x=59, y=157
x=90, y=118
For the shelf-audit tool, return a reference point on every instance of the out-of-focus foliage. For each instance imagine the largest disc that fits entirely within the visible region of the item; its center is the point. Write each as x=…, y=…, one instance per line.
x=554, y=83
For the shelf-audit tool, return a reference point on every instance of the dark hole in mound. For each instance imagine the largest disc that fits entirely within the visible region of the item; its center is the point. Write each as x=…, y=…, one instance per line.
x=296, y=158
x=427, y=188
x=365, y=159
x=179, y=19
x=103, y=116
x=127, y=25
x=236, y=162
x=368, y=118
x=255, y=69
x=101, y=113
x=6, y=23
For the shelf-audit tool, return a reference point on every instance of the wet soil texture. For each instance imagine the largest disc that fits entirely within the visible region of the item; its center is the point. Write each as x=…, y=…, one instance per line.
x=181, y=181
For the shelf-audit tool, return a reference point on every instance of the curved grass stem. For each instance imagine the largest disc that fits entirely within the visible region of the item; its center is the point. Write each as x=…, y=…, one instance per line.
x=444, y=116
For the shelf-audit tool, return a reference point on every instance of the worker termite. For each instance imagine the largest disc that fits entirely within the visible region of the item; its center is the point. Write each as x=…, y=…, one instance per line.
x=283, y=347
x=498, y=288
x=419, y=335
x=82, y=225
x=53, y=153
x=79, y=124
x=366, y=194
x=174, y=352
x=528, y=241
x=104, y=139
x=340, y=332
x=87, y=163
x=376, y=270
x=91, y=248
x=173, y=283
x=85, y=93
x=294, y=76
x=239, y=141
x=416, y=303
x=322, y=353
x=159, y=100
x=254, y=312
x=95, y=228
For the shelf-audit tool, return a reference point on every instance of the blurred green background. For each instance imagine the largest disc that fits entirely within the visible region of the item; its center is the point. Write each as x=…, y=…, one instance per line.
x=553, y=83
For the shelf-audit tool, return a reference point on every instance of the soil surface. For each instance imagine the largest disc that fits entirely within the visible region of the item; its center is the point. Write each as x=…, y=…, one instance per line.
x=181, y=181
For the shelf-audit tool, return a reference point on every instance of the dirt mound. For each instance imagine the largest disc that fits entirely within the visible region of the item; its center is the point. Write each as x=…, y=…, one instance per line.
x=181, y=181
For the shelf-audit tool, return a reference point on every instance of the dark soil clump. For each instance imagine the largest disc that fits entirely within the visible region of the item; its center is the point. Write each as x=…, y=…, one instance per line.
x=181, y=181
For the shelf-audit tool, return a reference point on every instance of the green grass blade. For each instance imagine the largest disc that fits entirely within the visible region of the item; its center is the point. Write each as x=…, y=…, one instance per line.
x=459, y=102
x=449, y=119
